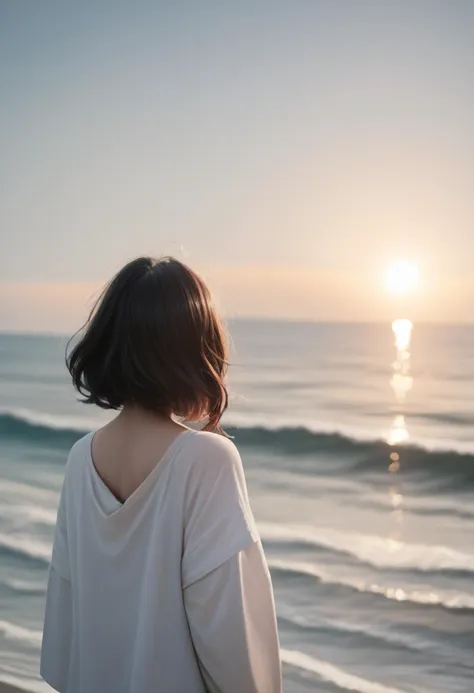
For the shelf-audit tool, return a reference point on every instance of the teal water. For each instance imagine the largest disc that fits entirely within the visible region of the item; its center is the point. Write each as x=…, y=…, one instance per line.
x=370, y=544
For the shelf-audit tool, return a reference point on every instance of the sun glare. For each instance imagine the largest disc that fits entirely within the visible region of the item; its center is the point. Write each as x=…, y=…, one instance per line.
x=402, y=277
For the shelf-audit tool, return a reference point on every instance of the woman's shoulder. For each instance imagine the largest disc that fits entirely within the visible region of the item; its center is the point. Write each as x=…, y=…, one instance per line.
x=210, y=449
x=208, y=461
x=210, y=441
x=81, y=447
x=78, y=455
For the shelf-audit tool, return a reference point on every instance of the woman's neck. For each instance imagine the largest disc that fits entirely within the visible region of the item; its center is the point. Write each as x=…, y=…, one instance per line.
x=133, y=415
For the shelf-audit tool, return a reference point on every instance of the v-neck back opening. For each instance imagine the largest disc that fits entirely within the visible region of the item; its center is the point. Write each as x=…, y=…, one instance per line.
x=147, y=482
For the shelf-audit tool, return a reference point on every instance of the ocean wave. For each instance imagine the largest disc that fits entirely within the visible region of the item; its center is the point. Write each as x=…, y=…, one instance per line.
x=357, y=450
x=418, y=505
x=456, y=419
x=56, y=422
x=451, y=461
x=261, y=430
x=25, y=586
x=303, y=437
x=33, y=427
x=424, y=595
x=368, y=633
x=450, y=465
x=334, y=675
x=23, y=683
x=376, y=551
x=11, y=631
x=20, y=503
x=33, y=514
x=18, y=492
x=25, y=547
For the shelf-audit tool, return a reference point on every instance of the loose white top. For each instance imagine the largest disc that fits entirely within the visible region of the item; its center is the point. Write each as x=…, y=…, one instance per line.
x=168, y=592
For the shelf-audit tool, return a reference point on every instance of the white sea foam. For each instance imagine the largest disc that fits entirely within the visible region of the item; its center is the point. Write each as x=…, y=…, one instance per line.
x=329, y=672
x=29, y=685
x=34, y=548
x=278, y=423
x=17, y=492
x=425, y=595
x=12, y=631
x=239, y=420
x=306, y=618
x=43, y=515
x=55, y=421
x=32, y=513
x=356, y=433
x=26, y=585
x=377, y=551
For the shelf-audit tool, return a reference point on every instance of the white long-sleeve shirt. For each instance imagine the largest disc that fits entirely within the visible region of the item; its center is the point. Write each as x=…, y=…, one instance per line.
x=168, y=592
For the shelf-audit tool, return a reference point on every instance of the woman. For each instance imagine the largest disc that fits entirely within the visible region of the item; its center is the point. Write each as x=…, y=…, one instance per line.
x=158, y=580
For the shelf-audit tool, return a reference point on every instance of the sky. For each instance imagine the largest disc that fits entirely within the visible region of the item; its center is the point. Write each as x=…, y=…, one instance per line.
x=289, y=150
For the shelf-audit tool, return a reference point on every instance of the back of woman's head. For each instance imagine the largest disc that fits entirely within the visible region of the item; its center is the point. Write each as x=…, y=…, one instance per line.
x=154, y=340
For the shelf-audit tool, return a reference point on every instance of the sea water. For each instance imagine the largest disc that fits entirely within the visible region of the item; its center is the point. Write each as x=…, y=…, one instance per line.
x=358, y=444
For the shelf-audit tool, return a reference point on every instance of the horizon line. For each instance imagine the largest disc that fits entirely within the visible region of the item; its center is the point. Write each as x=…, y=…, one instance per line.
x=260, y=319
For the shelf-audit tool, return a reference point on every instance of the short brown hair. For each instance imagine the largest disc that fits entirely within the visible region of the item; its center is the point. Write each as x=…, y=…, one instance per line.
x=154, y=339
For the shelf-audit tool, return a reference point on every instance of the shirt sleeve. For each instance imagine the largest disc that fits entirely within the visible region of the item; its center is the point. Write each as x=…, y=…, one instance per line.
x=218, y=520
x=60, y=555
x=57, y=632
x=233, y=624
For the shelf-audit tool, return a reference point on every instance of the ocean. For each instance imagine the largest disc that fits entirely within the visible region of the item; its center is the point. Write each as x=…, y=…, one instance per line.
x=358, y=444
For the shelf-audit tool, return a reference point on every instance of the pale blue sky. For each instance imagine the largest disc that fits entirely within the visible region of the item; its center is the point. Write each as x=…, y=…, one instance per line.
x=317, y=136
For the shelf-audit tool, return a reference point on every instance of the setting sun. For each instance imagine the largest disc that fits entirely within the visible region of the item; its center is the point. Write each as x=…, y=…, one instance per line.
x=402, y=277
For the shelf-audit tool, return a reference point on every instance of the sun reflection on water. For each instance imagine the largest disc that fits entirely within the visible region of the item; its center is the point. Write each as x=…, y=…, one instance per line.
x=402, y=329
x=401, y=382
x=398, y=433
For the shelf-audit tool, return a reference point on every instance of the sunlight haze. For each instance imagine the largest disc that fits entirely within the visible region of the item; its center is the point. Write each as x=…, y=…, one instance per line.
x=289, y=151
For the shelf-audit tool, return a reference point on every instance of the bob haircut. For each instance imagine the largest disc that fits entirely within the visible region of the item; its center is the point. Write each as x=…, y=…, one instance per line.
x=154, y=340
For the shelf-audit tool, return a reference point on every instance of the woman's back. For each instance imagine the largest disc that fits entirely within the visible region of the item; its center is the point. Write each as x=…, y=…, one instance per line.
x=158, y=580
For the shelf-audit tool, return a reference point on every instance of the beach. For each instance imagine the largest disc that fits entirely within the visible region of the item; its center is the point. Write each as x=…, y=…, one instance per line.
x=363, y=499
